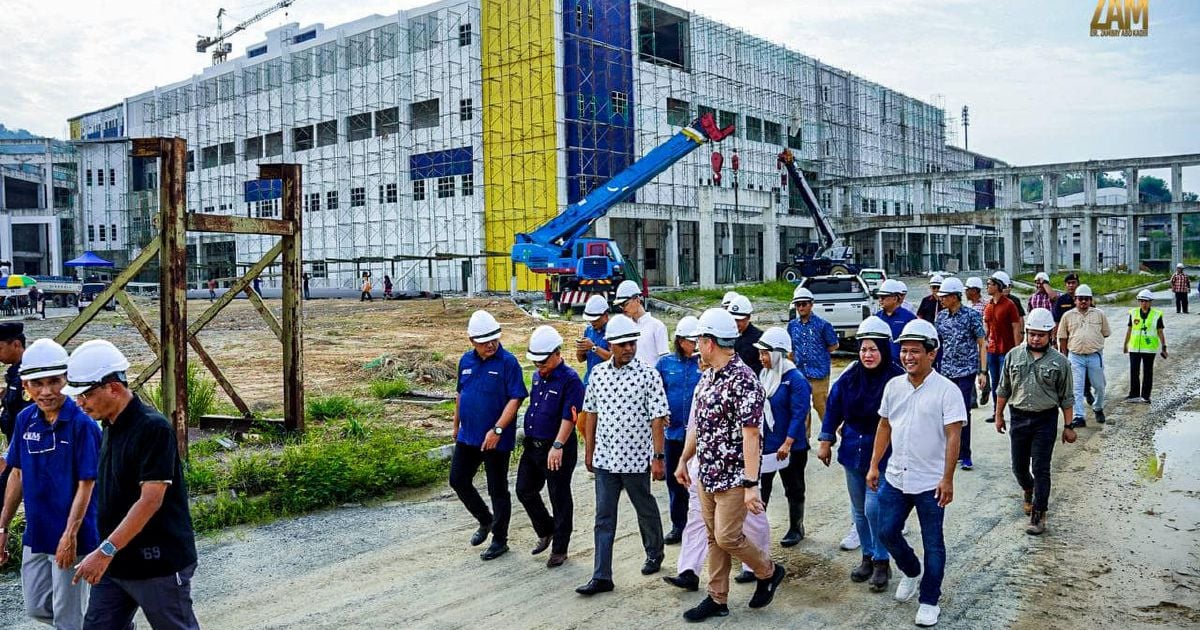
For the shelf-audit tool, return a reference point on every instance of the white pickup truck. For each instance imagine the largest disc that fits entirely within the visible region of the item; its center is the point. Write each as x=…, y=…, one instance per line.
x=842, y=300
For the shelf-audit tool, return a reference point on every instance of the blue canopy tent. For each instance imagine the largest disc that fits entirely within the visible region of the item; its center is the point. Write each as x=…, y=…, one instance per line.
x=88, y=259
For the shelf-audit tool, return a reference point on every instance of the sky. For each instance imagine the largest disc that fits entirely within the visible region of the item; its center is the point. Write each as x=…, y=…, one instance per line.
x=1039, y=88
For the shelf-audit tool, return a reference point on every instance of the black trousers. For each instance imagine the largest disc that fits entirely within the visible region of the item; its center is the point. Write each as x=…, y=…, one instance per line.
x=677, y=495
x=1181, y=302
x=1032, y=436
x=532, y=474
x=1141, y=374
x=792, y=478
x=463, y=466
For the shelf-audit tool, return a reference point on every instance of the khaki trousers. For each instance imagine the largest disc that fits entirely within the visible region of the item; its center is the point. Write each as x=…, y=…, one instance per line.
x=724, y=515
x=820, y=393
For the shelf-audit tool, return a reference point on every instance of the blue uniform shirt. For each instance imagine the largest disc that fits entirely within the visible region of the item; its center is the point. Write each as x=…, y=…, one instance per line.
x=484, y=388
x=53, y=460
x=789, y=406
x=896, y=321
x=593, y=359
x=810, y=345
x=551, y=400
x=14, y=400
x=679, y=378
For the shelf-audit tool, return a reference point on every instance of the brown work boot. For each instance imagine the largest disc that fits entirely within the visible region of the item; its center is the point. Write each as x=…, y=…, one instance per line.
x=880, y=576
x=1028, y=506
x=1037, y=524
x=863, y=570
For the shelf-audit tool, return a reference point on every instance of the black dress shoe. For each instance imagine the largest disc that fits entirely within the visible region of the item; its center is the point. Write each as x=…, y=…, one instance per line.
x=765, y=591
x=652, y=565
x=481, y=535
x=673, y=537
x=542, y=545
x=556, y=560
x=1100, y=417
x=793, y=537
x=745, y=577
x=494, y=550
x=595, y=586
x=707, y=608
x=687, y=580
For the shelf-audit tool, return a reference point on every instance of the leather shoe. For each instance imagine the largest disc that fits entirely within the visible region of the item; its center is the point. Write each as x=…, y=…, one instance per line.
x=673, y=537
x=494, y=550
x=745, y=577
x=542, y=545
x=595, y=586
x=481, y=535
x=652, y=565
x=556, y=560
x=687, y=580
x=793, y=536
x=765, y=591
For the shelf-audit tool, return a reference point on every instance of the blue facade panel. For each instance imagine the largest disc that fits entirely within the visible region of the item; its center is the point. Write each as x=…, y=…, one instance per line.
x=441, y=163
x=598, y=92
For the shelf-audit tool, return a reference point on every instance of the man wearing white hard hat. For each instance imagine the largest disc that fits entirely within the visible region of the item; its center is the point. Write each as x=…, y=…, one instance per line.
x=652, y=343
x=551, y=449
x=1002, y=323
x=728, y=298
x=1181, y=285
x=975, y=300
x=962, y=357
x=1081, y=335
x=1045, y=295
x=491, y=386
x=904, y=303
x=680, y=371
x=1144, y=337
x=891, y=310
x=726, y=439
x=625, y=411
x=1035, y=385
x=54, y=458
x=591, y=347
x=748, y=334
x=813, y=343
x=920, y=417
x=930, y=305
x=147, y=555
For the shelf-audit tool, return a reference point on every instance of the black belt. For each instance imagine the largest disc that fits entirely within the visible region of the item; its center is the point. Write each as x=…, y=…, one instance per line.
x=535, y=443
x=1053, y=410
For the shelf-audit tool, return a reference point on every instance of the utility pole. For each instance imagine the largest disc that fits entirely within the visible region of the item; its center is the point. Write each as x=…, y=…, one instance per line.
x=966, y=123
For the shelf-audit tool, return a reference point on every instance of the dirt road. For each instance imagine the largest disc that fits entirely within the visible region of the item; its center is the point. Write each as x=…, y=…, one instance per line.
x=1121, y=550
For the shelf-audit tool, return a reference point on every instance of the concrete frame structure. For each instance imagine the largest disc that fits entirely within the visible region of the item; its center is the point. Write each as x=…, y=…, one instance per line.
x=38, y=188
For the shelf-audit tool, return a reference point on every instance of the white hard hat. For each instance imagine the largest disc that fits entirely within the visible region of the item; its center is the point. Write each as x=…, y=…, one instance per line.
x=775, y=338
x=543, y=342
x=919, y=330
x=688, y=328
x=1002, y=278
x=1144, y=294
x=482, y=327
x=903, y=287
x=718, y=323
x=936, y=280
x=595, y=308
x=952, y=285
x=43, y=358
x=621, y=329
x=890, y=287
x=729, y=296
x=874, y=328
x=627, y=289
x=975, y=282
x=1043, y=276
x=1039, y=319
x=1179, y=265
x=802, y=294
x=740, y=307
x=1083, y=290
x=90, y=363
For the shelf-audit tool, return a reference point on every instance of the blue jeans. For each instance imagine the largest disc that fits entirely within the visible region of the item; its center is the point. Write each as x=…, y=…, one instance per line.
x=677, y=495
x=995, y=365
x=864, y=509
x=894, y=508
x=1091, y=368
x=966, y=384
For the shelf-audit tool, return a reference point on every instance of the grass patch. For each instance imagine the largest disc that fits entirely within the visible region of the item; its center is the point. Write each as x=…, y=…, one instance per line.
x=337, y=407
x=201, y=394
x=16, y=531
x=1102, y=283
x=390, y=388
x=775, y=290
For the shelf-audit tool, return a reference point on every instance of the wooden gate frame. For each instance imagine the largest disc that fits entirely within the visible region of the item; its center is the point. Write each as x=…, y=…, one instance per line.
x=174, y=222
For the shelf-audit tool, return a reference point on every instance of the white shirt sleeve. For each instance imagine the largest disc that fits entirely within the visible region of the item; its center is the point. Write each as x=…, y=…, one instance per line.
x=953, y=407
x=885, y=403
x=663, y=347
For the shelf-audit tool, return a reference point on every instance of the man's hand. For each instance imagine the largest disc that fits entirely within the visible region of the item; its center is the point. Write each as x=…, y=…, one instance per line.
x=490, y=441
x=944, y=492
x=554, y=459
x=825, y=453
x=1164, y=353
x=681, y=475
x=587, y=461
x=1125, y=349
x=1068, y=436
x=873, y=478
x=3, y=465
x=3, y=548
x=981, y=381
x=92, y=568
x=785, y=449
x=999, y=422
x=584, y=345
x=658, y=470
x=754, y=502
x=65, y=555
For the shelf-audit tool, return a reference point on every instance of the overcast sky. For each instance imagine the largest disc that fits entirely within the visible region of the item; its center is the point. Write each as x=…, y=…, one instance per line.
x=1039, y=87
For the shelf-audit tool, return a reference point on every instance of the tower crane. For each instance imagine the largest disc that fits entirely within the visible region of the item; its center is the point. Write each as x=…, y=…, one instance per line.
x=223, y=48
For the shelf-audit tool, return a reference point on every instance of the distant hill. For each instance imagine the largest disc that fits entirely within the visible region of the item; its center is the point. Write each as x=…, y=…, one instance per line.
x=14, y=134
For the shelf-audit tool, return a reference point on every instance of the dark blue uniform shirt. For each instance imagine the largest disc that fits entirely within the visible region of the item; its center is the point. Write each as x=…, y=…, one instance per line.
x=484, y=388
x=789, y=406
x=593, y=359
x=551, y=401
x=679, y=378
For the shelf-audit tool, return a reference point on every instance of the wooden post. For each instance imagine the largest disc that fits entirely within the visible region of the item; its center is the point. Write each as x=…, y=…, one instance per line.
x=293, y=305
x=173, y=285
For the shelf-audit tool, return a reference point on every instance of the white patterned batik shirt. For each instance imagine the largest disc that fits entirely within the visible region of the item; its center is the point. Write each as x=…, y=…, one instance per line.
x=625, y=400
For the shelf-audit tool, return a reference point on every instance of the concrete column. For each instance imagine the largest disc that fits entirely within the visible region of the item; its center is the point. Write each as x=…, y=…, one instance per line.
x=639, y=244
x=1013, y=188
x=1049, y=244
x=835, y=199
x=671, y=262
x=926, y=197
x=1049, y=190
x=1131, y=185
x=1087, y=242
x=927, y=251
x=1176, y=183
x=1089, y=188
x=1177, y=236
x=1011, y=233
x=879, y=262
x=1133, y=225
x=603, y=227
x=770, y=241
x=707, y=240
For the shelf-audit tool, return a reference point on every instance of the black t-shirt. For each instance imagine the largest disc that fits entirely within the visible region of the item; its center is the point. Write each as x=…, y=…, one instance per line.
x=929, y=308
x=1017, y=303
x=140, y=446
x=14, y=401
x=746, y=350
x=1062, y=304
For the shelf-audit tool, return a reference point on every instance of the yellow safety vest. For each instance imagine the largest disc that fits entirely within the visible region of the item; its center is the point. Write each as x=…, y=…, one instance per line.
x=1143, y=335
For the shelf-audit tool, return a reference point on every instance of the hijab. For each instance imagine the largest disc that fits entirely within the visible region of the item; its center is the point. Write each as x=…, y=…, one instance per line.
x=771, y=378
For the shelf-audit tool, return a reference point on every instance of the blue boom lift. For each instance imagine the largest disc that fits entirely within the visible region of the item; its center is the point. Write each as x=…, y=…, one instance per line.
x=825, y=257
x=578, y=267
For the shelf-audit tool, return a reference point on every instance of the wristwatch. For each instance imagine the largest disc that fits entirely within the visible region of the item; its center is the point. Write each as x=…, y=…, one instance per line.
x=556, y=445
x=660, y=456
x=749, y=483
x=107, y=548
x=498, y=430
x=3, y=530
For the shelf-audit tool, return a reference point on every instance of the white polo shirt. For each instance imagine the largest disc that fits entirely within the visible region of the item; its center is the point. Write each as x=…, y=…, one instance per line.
x=918, y=417
x=653, y=343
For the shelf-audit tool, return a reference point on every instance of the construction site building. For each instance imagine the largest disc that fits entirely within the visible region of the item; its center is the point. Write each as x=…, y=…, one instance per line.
x=38, y=205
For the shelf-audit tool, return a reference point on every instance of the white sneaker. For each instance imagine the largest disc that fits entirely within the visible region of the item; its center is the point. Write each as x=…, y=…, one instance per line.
x=851, y=541
x=908, y=587
x=928, y=615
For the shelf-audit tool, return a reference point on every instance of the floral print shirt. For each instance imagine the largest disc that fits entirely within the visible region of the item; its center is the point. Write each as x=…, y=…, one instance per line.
x=727, y=400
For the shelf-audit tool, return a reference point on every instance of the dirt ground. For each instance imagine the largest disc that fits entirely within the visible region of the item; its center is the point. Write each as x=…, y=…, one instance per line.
x=1121, y=550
